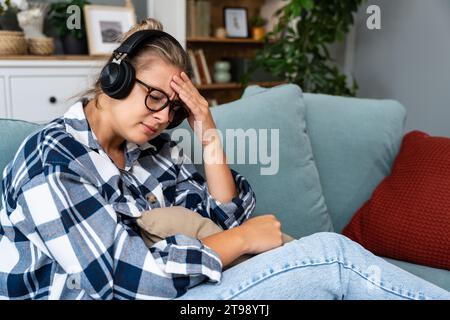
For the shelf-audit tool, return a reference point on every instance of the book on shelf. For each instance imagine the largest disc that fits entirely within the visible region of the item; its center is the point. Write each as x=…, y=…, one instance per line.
x=195, y=70
x=198, y=18
x=203, y=66
x=191, y=20
x=201, y=74
x=201, y=71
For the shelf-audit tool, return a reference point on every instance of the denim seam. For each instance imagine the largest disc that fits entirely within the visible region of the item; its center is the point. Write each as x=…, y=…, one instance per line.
x=234, y=294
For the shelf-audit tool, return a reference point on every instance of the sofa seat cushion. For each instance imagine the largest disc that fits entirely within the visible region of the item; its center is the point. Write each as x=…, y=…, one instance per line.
x=287, y=182
x=439, y=277
x=408, y=215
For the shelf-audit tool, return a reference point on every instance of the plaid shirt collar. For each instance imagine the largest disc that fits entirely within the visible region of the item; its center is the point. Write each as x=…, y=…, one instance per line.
x=77, y=125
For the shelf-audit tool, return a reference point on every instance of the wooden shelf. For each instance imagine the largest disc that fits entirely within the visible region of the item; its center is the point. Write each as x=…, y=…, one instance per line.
x=237, y=50
x=235, y=85
x=224, y=40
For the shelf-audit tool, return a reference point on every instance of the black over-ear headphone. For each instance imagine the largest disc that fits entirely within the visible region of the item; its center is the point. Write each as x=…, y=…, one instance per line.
x=118, y=76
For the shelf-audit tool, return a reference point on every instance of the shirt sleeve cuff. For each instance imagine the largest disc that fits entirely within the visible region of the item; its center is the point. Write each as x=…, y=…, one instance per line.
x=190, y=257
x=240, y=207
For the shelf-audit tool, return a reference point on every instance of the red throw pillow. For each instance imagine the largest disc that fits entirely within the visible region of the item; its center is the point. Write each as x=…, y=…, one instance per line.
x=408, y=216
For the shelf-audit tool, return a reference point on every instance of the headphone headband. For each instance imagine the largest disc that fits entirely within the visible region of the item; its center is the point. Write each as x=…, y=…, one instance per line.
x=135, y=40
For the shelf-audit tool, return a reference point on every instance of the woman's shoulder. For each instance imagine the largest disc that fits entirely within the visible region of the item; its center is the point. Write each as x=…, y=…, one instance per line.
x=50, y=144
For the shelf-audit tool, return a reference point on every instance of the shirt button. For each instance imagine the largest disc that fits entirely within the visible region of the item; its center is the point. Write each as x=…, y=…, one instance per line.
x=152, y=198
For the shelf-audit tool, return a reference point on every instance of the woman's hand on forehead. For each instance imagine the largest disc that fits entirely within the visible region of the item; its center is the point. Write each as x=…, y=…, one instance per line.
x=194, y=101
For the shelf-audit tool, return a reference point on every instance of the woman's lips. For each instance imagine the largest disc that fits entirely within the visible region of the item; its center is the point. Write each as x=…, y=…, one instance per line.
x=148, y=129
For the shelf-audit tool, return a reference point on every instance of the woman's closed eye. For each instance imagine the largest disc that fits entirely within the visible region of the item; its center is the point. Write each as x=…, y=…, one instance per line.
x=156, y=96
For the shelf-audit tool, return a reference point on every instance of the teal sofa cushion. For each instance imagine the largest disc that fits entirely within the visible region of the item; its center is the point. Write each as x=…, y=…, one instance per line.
x=439, y=277
x=12, y=133
x=293, y=193
x=355, y=142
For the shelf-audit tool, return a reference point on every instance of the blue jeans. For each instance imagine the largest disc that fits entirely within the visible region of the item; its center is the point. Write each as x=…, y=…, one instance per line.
x=321, y=266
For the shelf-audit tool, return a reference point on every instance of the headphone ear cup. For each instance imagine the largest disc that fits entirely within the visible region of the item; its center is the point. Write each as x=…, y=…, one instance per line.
x=109, y=77
x=117, y=80
x=126, y=85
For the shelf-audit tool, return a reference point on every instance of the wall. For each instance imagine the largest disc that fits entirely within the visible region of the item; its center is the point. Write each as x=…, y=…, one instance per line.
x=172, y=14
x=408, y=60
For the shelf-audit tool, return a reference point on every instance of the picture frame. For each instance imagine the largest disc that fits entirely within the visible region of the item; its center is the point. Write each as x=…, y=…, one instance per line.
x=236, y=22
x=105, y=25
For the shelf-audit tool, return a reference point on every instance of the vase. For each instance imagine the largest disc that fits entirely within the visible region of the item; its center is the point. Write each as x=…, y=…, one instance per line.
x=8, y=21
x=32, y=23
x=73, y=45
x=258, y=33
x=222, y=72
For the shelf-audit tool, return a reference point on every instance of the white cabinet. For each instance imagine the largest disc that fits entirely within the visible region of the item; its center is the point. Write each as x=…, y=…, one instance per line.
x=2, y=98
x=42, y=98
x=39, y=90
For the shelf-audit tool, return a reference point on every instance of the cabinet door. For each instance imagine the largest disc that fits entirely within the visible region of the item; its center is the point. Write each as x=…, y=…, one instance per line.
x=2, y=98
x=43, y=98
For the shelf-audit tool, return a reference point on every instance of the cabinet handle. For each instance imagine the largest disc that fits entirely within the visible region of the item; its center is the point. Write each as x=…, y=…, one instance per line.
x=52, y=100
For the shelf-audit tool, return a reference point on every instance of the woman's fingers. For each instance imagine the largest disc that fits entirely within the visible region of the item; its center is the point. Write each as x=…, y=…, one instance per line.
x=184, y=81
x=189, y=94
x=185, y=88
x=184, y=95
x=185, y=77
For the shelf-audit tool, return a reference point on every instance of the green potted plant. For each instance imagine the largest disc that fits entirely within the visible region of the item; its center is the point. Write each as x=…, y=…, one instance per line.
x=257, y=24
x=297, y=49
x=74, y=41
x=8, y=16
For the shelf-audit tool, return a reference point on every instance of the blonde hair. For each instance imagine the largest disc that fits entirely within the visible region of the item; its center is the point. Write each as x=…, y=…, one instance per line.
x=163, y=48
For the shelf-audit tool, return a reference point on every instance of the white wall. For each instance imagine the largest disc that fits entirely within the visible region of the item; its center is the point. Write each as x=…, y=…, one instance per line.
x=172, y=14
x=408, y=60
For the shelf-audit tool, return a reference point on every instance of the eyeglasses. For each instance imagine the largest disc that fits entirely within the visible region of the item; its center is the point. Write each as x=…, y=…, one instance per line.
x=157, y=100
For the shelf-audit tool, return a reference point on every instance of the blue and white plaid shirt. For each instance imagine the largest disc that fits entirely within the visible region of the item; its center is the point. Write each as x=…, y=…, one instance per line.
x=67, y=226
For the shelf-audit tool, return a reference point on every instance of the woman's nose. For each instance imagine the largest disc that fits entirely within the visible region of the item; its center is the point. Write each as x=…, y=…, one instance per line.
x=162, y=116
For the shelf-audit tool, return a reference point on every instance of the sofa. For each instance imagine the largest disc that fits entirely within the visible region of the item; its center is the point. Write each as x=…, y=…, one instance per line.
x=327, y=155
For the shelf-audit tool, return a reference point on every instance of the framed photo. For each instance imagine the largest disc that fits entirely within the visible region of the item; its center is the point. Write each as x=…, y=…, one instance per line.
x=236, y=22
x=105, y=25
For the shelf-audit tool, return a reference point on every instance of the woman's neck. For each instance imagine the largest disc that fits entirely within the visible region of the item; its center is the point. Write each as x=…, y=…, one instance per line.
x=100, y=123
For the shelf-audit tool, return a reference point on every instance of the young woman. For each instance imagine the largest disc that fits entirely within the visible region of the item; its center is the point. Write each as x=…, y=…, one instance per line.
x=75, y=188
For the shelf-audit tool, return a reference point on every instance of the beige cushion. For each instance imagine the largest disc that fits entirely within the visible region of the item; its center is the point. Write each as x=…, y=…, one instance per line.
x=160, y=223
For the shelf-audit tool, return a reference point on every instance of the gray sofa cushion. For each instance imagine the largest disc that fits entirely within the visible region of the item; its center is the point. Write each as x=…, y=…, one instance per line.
x=355, y=142
x=12, y=133
x=439, y=277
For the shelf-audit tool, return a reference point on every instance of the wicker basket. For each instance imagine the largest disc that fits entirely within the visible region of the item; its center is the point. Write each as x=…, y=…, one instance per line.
x=41, y=46
x=12, y=43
